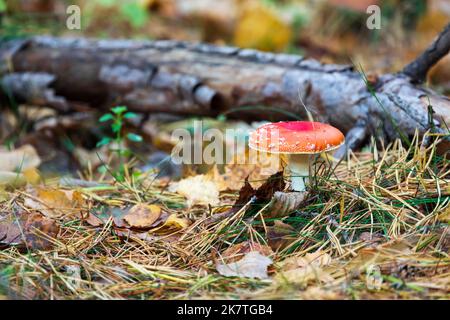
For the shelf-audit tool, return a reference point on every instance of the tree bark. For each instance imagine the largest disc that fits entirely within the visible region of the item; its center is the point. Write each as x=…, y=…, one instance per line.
x=201, y=79
x=417, y=70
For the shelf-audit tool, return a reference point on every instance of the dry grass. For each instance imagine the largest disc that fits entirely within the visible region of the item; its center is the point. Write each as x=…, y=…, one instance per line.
x=387, y=208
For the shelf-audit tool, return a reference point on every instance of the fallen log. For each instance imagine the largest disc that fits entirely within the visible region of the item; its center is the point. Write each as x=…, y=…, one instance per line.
x=202, y=79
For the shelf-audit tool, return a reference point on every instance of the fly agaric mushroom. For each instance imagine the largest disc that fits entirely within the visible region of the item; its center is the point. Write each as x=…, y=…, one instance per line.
x=298, y=140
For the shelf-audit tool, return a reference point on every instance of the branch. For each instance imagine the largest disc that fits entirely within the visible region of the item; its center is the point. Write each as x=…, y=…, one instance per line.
x=199, y=79
x=417, y=70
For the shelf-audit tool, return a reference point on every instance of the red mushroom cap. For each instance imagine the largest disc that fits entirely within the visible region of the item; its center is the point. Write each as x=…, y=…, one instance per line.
x=296, y=137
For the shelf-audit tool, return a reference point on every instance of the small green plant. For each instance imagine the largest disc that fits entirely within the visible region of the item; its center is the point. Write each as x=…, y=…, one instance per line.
x=117, y=116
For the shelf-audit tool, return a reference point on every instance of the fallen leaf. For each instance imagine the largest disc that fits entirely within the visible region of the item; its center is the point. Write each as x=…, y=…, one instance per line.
x=316, y=259
x=284, y=203
x=198, y=189
x=264, y=193
x=98, y=216
x=94, y=220
x=252, y=265
x=245, y=194
x=142, y=215
x=245, y=165
x=39, y=230
x=261, y=28
x=238, y=251
x=55, y=203
x=445, y=215
x=73, y=272
x=304, y=269
x=3, y=195
x=372, y=239
x=32, y=230
x=32, y=175
x=129, y=234
x=172, y=224
x=10, y=230
x=273, y=184
x=14, y=179
x=20, y=159
x=280, y=235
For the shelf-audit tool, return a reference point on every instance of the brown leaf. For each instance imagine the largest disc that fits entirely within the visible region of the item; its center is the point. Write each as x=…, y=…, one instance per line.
x=280, y=235
x=263, y=194
x=38, y=230
x=100, y=215
x=142, y=215
x=315, y=259
x=237, y=251
x=273, y=184
x=284, y=203
x=10, y=230
x=32, y=230
x=245, y=194
x=94, y=221
x=128, y=234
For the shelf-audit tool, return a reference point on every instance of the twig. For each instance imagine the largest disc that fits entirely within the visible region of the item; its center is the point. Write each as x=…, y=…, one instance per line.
x=417, y=70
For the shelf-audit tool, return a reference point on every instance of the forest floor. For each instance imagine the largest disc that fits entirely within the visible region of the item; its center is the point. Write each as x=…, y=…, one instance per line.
x=374, y=227
x=77, y=222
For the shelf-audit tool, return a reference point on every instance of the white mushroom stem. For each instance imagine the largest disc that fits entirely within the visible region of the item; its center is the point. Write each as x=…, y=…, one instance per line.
x=298, y=165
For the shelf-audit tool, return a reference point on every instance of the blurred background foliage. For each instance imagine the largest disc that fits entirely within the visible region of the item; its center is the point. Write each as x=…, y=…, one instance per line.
x=328, y=30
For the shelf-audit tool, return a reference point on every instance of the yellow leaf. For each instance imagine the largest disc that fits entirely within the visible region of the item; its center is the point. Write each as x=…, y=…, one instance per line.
x=32, y=175
x=445, y=216
x=260, y=28
x=172, y=224
x=55, y=203
x=8, y=178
